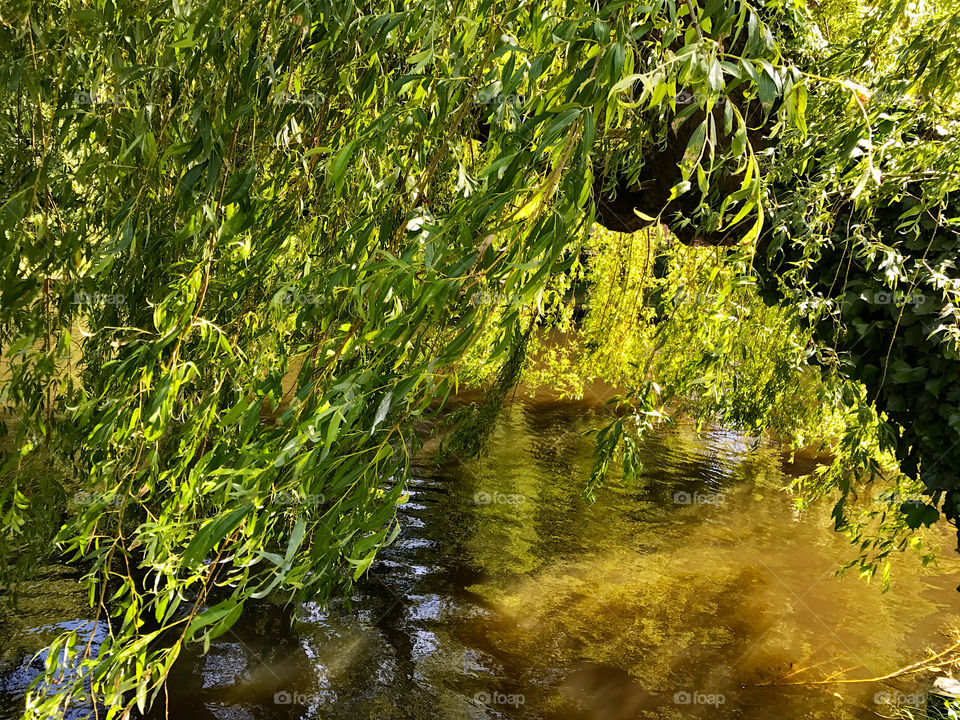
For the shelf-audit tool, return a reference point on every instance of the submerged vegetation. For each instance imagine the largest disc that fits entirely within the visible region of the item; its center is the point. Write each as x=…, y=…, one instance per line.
x=249, y=247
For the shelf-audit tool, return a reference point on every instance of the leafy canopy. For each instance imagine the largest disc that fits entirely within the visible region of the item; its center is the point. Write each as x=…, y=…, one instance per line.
x=242, y=242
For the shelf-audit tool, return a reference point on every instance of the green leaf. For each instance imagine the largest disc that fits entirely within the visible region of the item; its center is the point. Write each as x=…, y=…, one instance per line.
x=213, y=532
x=240, y=184
x=917, y=513
x=338, y=165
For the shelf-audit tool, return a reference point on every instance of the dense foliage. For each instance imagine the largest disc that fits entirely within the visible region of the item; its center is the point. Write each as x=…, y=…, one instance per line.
x=247, y=246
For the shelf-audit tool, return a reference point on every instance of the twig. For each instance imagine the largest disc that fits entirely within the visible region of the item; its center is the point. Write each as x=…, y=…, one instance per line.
x=695, y=19
x=915, y=667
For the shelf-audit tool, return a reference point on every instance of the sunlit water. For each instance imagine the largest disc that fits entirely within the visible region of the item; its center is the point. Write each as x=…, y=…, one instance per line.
x=698, y=591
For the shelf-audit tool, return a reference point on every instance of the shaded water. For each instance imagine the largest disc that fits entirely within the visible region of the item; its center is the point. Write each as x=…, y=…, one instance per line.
x=507, y=595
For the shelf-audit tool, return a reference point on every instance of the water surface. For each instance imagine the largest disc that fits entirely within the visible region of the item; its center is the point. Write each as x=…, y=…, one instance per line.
x=695, y=592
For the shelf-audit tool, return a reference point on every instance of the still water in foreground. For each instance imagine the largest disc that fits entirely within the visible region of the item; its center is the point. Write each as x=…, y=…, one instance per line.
x=698, y=591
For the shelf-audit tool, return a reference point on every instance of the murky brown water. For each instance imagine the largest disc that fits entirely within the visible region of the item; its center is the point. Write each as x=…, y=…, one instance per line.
x=509, y=596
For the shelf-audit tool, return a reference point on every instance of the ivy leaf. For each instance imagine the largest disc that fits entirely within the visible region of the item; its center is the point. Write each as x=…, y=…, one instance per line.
x=917, y=513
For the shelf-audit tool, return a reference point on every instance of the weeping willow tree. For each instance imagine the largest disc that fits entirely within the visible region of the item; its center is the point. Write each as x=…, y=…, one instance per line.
x=244, y=242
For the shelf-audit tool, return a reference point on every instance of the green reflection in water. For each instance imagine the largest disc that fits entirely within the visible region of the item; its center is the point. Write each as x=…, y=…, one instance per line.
x=658, y=597
x=505, y=584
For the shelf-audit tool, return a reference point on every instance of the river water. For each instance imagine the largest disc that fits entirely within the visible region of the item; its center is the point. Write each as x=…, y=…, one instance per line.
x=697, y=591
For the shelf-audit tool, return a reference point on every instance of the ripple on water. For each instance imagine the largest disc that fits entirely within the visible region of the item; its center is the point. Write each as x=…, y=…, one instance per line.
x=506, y=583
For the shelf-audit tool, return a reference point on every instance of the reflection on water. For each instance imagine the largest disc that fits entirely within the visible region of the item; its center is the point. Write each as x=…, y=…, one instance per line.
x=509, y=596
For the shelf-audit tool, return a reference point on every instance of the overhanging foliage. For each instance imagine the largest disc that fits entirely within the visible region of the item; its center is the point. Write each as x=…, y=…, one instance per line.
x=200, y=200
